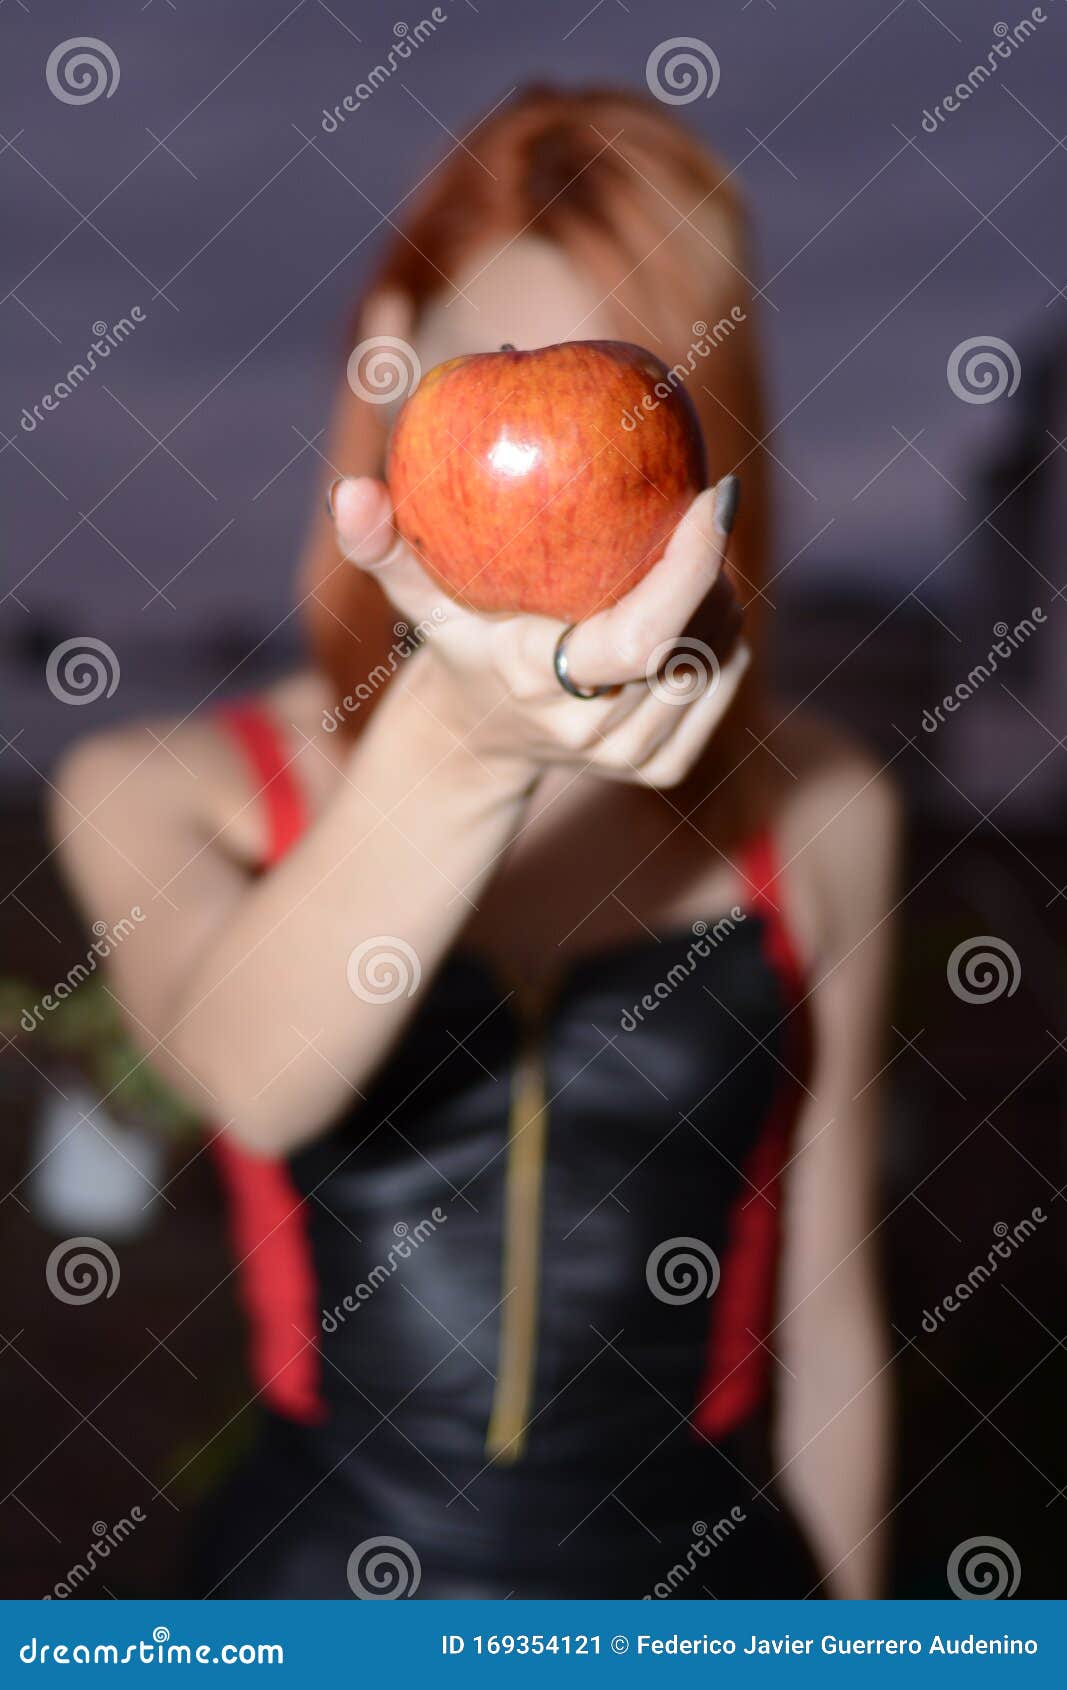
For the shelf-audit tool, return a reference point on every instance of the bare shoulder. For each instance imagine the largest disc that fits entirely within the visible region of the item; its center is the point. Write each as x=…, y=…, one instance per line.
x=152, y=788
x=839, y=788
x=182, y=773
x=839, y=828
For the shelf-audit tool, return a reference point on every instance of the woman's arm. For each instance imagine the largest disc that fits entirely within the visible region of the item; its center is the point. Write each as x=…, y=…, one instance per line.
x=834, y=1386
x=244, y=982
x=243, y=989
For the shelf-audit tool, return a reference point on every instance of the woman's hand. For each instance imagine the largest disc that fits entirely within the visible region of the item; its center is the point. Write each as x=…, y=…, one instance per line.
x=501, y=695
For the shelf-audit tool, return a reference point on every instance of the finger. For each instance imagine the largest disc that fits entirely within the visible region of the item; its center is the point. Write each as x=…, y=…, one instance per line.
x=676, y=670
x=670, y=761
x=614, y=644
x=663, y=706
x=628, y=746
x=634, y=737
x=362, y=512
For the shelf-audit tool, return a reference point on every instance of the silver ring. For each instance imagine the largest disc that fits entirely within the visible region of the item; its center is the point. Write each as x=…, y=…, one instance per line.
x=561, y=664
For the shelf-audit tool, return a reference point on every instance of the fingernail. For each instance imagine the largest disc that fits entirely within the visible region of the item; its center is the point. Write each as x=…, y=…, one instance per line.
x=727, y=499
x=330, y=491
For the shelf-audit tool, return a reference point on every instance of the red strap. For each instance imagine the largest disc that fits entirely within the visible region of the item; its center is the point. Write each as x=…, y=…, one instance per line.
x=736, y=1374
x=268, y=1232
x=759, y=870
x=259, y=737
x=268, y=1217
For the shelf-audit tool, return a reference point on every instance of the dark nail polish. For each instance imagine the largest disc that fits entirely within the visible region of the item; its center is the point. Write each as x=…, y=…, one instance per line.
x=727, y=499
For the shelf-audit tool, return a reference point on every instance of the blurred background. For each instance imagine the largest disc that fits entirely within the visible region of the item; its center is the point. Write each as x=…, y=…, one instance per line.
x=913, y=277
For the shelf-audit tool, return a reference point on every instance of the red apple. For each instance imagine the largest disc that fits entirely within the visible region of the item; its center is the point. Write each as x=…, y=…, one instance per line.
x=545, y=481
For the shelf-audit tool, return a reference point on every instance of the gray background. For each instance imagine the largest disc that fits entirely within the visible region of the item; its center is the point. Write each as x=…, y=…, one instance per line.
x=205, y=191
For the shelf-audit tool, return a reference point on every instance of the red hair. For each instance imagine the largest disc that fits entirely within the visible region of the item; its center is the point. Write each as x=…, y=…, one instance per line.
x=640, y=206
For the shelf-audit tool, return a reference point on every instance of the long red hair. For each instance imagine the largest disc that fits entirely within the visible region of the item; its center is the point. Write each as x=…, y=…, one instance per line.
x=645, y=210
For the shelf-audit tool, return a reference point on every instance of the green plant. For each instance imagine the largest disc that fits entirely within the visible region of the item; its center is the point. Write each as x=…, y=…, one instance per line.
x=86, y=1030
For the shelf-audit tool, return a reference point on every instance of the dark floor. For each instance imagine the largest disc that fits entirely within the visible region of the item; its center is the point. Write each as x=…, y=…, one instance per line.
x=136, y=1400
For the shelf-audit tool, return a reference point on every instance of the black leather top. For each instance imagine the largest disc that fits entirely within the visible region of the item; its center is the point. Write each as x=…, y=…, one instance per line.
x=648, y=1131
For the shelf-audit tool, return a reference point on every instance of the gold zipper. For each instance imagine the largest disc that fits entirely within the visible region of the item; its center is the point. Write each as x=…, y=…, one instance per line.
x=505, y=1439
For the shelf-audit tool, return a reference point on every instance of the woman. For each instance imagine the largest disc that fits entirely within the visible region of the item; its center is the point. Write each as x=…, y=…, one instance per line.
x=552, y=1181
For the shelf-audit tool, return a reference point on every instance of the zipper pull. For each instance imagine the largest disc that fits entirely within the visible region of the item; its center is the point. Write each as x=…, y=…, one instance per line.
x=513, y=1396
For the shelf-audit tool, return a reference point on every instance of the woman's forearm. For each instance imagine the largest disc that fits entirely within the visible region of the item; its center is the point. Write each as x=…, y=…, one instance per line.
x=285, y=1019
x=834, y=1426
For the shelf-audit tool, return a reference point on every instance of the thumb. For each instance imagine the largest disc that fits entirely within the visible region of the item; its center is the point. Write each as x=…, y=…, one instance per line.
x=362, y=513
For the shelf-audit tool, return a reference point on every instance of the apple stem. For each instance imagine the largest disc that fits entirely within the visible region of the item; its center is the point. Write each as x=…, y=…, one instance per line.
x=507, y=347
